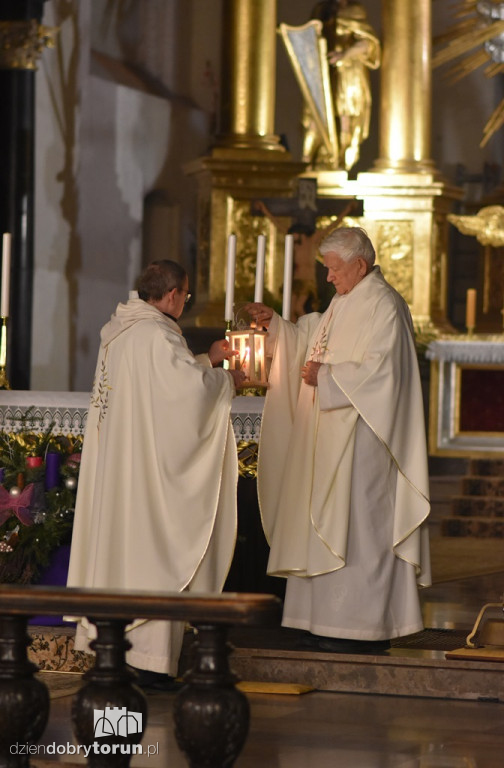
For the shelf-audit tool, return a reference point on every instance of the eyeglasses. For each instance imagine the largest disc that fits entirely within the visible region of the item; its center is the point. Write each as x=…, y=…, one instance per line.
x=188, y=296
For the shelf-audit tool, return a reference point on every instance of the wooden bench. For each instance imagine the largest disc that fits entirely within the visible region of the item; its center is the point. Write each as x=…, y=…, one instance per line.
x=211, y=716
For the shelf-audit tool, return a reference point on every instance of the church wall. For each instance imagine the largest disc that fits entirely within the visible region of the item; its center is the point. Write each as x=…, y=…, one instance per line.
x=111, y=190
x=57, y=116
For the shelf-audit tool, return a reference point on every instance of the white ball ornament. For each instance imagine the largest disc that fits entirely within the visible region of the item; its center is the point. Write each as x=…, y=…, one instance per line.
x=71, y=483
x=15, y=491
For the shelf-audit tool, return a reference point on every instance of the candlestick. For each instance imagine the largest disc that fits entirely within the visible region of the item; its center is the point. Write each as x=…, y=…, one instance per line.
x=230, y=277
x=287, y=282
x=229, y=327
x=6, y=260
x=4, y=383
x=471, y=310
x=259, y=280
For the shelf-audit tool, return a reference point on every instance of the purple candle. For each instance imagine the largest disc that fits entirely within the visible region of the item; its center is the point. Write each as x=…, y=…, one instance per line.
x=52, y=477
x=2, y=474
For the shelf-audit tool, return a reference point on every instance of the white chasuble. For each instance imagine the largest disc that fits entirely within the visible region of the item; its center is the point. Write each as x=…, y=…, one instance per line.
x=342, y=476
x=156, y=505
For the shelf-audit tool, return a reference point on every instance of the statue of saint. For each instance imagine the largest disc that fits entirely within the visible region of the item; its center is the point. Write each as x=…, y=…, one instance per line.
x=353, y=49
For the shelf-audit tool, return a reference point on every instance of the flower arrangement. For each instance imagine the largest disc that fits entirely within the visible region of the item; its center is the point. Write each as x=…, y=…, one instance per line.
x=38, y=483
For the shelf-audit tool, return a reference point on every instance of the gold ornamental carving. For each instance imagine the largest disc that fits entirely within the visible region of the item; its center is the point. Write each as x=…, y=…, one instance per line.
x=439, y=267
x=394, y=248
x=23, y=42
x=487, y=226
x=475, y=41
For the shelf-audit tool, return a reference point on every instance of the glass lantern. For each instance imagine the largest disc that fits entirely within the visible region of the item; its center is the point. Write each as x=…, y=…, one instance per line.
x=249, y=343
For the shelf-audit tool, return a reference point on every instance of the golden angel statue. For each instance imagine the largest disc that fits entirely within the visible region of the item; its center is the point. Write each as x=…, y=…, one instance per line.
x=334, y=80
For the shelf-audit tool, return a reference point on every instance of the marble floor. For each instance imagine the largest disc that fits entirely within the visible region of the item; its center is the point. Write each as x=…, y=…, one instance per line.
x=324, y=729
x=329, y=730
x=333, y=730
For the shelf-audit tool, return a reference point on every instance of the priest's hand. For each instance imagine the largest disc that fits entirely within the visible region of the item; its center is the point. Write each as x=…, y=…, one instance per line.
x=220, y=351
x=309, y=373
x=239, y=378
x=260, y=313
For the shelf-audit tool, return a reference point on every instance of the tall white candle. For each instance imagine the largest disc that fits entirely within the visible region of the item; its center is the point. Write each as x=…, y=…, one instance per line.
x=287, y=281
x=6, y=262
x=230, y=278
x=261, y=256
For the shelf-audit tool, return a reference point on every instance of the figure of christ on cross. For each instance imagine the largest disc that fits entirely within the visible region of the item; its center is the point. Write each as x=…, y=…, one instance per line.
x=308, y=293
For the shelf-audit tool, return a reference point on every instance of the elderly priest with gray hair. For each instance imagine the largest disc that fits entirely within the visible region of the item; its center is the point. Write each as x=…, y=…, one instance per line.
x=342, y=476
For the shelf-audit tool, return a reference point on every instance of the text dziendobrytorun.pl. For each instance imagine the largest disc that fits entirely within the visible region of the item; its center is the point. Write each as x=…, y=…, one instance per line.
x=79, y=749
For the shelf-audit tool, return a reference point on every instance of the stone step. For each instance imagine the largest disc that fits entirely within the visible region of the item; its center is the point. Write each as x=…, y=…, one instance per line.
x=477, y=527
x=474, y=506
x=396, y=673
x=486, y=467
x=483, y=486
x=414, y=666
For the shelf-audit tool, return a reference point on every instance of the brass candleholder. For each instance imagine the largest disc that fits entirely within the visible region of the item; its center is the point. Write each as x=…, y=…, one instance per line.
x=470, y=330
x=4, y=382
x=229, y=327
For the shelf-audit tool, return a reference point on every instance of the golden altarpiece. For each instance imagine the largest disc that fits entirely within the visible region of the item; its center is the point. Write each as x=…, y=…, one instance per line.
x=405, y=200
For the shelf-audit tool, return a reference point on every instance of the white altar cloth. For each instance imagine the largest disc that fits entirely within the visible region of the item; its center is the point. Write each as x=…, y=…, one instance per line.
x=480, y=349
x=67, y=412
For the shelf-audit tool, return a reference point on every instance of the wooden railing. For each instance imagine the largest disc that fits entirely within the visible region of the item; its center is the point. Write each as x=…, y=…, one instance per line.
x=211, y=716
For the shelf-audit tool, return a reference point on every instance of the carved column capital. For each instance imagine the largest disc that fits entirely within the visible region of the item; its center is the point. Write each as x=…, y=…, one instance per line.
x=22, y=43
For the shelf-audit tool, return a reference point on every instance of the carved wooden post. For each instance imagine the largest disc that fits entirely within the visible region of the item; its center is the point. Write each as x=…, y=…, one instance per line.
x=109, y=689
x=24, y=700
x=211, y=715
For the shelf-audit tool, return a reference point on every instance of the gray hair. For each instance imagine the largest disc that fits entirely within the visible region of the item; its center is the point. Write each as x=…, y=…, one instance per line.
x=350, y=243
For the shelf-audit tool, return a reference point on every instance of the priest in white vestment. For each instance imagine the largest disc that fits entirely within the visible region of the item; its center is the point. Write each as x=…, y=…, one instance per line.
x=156, y=503
x=342, y=474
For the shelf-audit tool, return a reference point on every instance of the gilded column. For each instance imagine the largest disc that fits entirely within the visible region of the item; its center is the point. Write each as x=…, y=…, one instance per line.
x=405, y=107
x=247, y=162
x=248, y=63
x=22, y=39
x=406, y=200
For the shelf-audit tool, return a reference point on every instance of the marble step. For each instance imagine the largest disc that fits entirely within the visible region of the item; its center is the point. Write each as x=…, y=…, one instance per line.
x=397, y=673
x=474, y=506
x=412, y=667
x=483, y=486
x=477, y=527
x=486, y=467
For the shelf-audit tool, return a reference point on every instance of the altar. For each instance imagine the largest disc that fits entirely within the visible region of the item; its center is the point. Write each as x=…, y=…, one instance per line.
x=466, y=415
x=65, y=413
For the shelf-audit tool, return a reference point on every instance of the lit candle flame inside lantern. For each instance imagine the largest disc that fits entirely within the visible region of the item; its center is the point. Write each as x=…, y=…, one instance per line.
x=249, y=343
x=244, y=360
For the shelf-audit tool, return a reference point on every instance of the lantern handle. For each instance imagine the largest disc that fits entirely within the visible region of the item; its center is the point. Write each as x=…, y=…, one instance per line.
x=240, y=323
